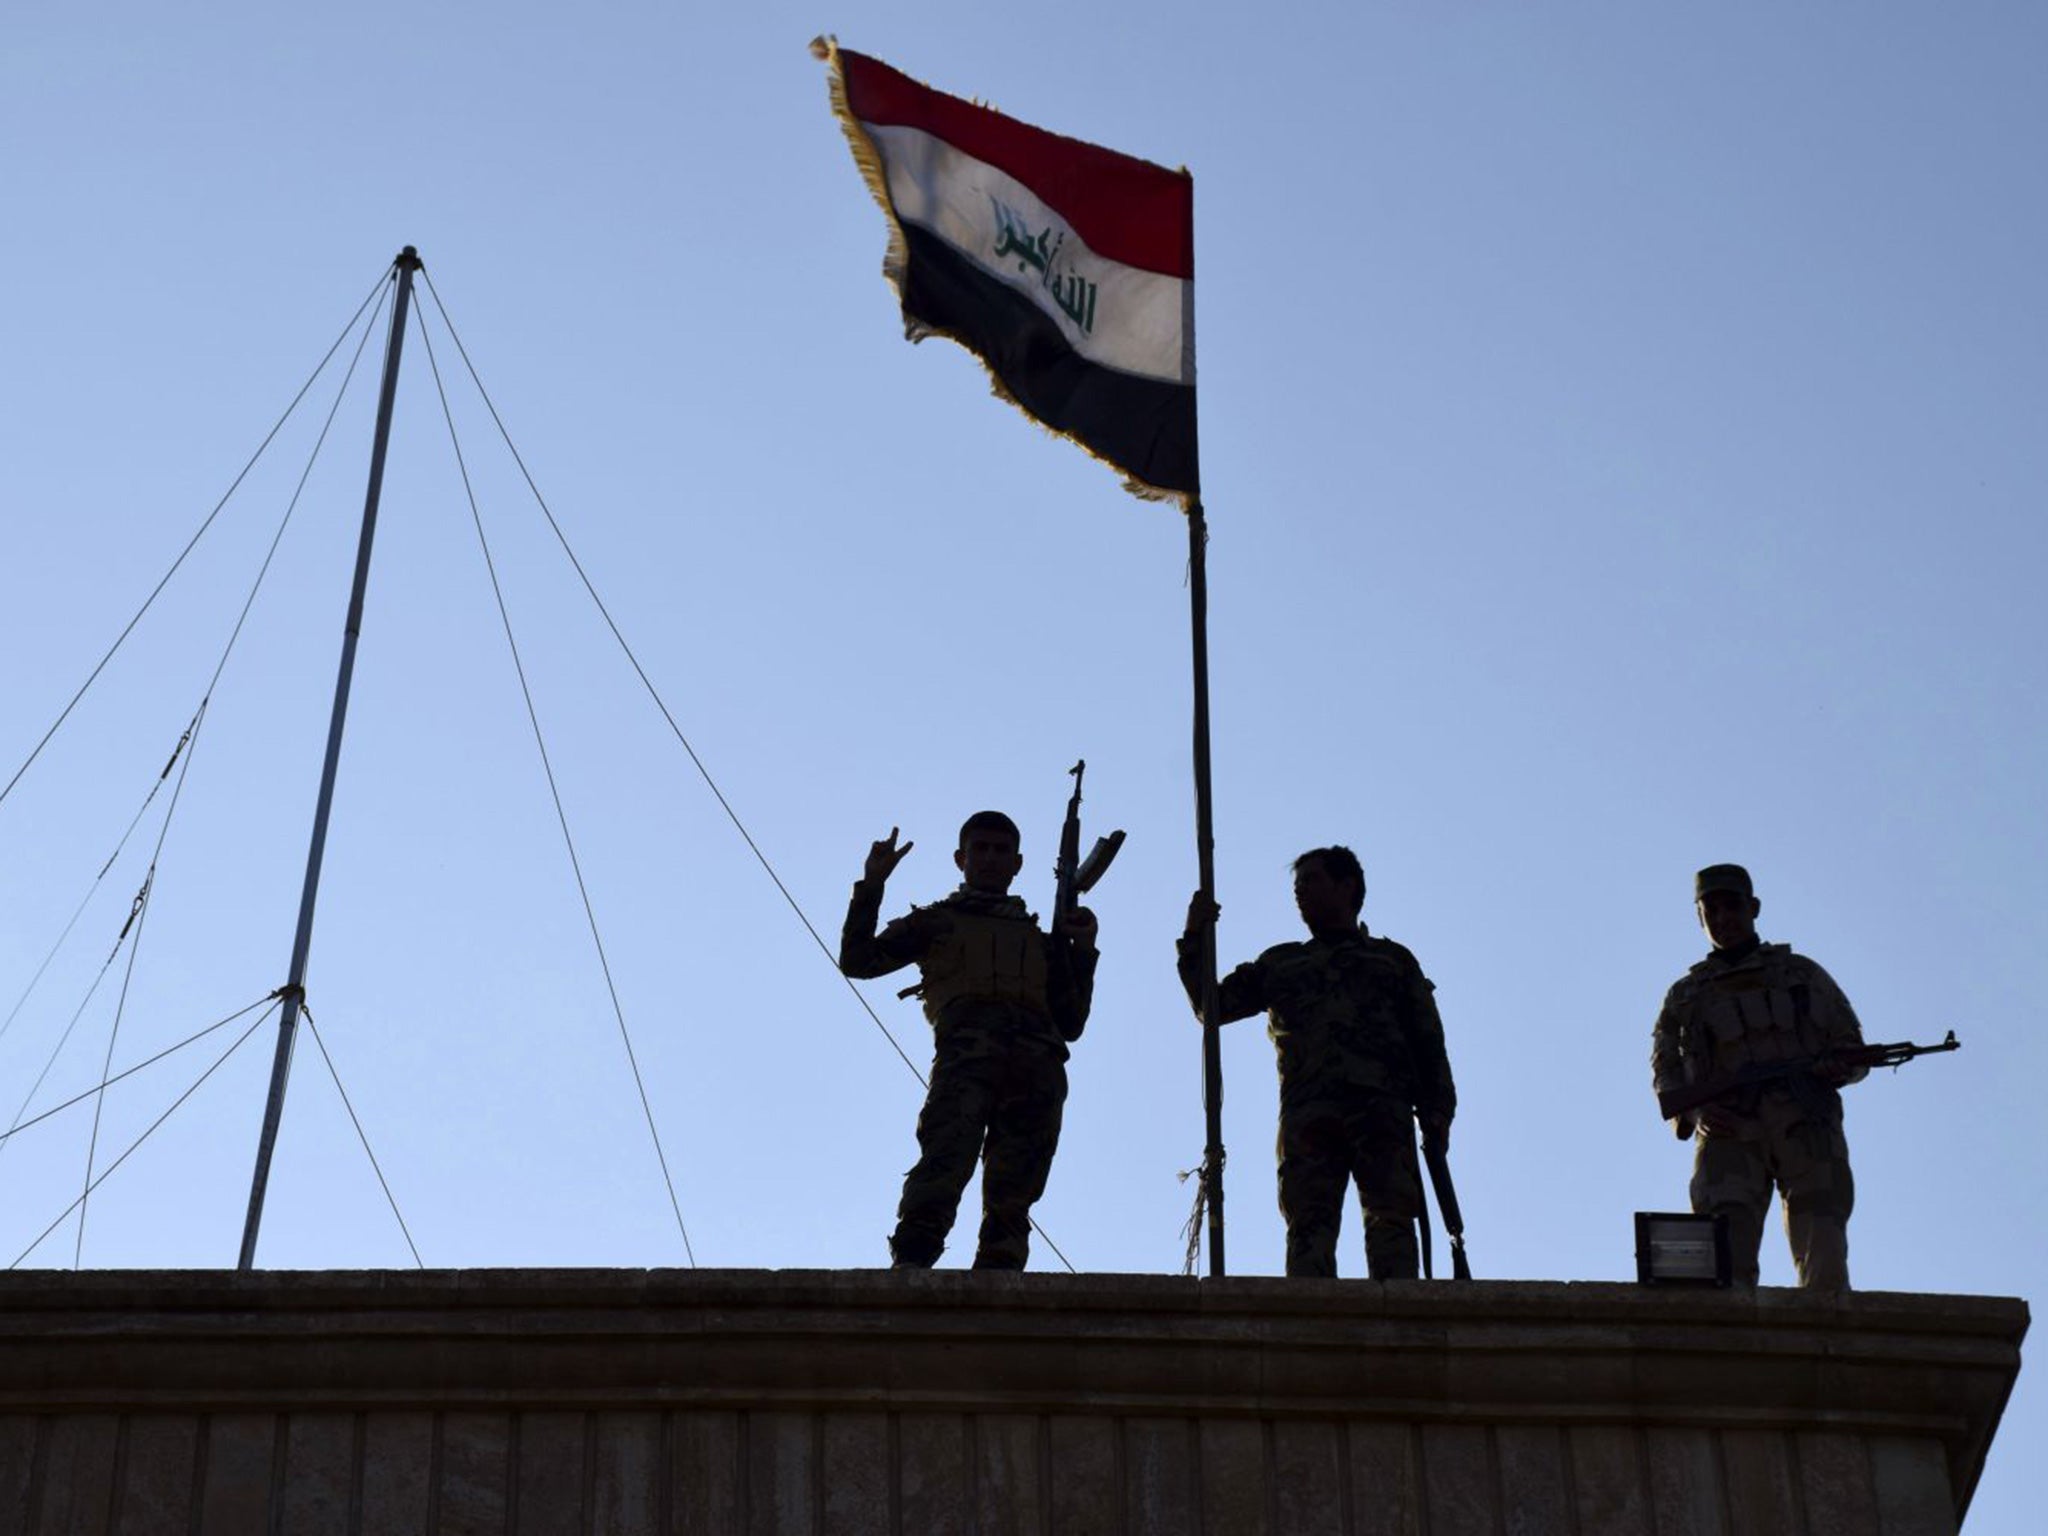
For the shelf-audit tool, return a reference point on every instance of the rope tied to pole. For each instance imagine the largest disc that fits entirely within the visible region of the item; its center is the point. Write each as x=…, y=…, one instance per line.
x=1192, y=1229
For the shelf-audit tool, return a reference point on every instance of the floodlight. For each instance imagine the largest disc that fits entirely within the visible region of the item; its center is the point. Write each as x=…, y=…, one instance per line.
x=1674, y=1249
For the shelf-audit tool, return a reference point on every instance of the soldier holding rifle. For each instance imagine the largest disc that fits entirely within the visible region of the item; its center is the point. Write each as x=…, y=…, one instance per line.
x=1004, y=999
x=1772, y=1027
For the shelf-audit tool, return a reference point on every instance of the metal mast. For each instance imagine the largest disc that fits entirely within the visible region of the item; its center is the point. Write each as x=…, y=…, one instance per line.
x=294, y=989
x=1205, y=855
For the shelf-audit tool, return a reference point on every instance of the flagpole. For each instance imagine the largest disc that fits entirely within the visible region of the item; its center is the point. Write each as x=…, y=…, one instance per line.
x=1205, y=856
x=294, y=989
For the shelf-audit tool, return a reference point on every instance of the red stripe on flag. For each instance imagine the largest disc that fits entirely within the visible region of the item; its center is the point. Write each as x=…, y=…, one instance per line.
x=1127, y=209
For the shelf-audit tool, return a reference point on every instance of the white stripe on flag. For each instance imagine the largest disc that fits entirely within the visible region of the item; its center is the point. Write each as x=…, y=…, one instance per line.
x=1118, y=316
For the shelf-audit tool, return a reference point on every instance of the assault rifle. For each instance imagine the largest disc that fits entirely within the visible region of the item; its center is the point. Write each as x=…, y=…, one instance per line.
x=1073, y=876
x=1438, y=1161
x=1686, y=1097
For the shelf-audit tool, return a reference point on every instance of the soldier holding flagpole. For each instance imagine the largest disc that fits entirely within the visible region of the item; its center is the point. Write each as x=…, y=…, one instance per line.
x=1068, y=269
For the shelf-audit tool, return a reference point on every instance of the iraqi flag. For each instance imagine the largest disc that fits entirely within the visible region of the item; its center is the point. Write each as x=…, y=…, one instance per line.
x=1068, y=269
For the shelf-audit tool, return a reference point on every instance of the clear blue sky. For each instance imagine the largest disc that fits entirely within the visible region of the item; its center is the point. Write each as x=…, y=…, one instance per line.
x=1624, y=449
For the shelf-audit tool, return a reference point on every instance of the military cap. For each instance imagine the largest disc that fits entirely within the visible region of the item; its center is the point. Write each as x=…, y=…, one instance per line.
x=1722, y=877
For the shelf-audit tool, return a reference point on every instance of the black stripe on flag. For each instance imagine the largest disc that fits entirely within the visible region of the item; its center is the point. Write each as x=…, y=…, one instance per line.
x=1146, y=427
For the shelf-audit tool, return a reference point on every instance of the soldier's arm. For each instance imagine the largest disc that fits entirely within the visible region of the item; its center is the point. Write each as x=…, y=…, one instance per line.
x=863, y=952
x=1436, y=1094
x=1667, y=1065
x=1072, y=986
x=1188, y=947
x=1840, y=1028
x=1239, y=995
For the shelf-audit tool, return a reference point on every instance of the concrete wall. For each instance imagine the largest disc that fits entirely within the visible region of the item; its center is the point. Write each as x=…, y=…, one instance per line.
x=740, y=1402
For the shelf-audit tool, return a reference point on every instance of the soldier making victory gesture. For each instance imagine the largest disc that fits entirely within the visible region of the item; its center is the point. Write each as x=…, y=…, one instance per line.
x=1361, y=1050
x=1747, y=1005
x=1004, y=1003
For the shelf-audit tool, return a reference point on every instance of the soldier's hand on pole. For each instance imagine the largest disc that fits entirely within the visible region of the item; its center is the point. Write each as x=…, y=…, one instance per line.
x=1079, y=925
x=883, y=858
x=1202, y=913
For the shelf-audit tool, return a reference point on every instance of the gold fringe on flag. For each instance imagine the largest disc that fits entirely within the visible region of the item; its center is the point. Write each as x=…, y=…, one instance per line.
x=896, y=264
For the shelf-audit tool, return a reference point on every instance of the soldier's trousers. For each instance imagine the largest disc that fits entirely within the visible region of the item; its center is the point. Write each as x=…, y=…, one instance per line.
x=1368, y=1137
x=1003, y=1106
x=1784, y=1146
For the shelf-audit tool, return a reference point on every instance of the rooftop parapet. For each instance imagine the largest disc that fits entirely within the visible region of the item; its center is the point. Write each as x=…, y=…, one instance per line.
x=728, y=1400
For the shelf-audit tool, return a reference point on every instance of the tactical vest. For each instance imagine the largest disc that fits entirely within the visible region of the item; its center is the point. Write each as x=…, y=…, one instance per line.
x=1335, y=1016
x=1753, y=1013
x=985, y=959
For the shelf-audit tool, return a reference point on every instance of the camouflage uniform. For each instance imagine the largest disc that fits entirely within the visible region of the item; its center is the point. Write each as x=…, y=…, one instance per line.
x=1355, y=1024
x=1756, y=1005
x=1001, y=1014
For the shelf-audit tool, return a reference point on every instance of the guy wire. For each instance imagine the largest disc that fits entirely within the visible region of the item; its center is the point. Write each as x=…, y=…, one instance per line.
x=190, y=544
x=675, y=728
x=108, y=1172
x=390, y=1199
x=190, y=746
x=554, y=790
x=148, y=1061
x=192, y=727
